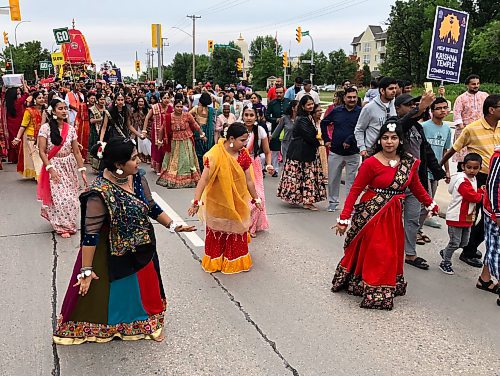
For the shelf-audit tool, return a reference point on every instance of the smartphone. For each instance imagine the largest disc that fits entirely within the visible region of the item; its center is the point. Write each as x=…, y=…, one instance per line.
x=428, y=87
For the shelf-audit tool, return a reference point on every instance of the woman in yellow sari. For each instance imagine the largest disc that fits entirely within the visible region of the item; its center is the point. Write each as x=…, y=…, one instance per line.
x=223, y=193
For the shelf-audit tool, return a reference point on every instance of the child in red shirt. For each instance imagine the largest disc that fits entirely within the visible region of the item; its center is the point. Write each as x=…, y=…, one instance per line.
x=461, y=211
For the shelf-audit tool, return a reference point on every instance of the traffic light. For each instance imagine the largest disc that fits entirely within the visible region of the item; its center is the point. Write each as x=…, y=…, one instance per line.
x=15, y=10
x=285, y=59
x=210, y=46
x=137, y=66
x=239, y=64
x=8, y=66
x=6, y=38
x=298, y=35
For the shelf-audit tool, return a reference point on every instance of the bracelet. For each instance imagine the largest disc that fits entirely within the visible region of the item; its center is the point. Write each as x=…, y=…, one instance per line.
x=346, y=222
x=257, y=200
x=196, y=203
x=82, y=169
x=17, y=139
x=173, y=225
x=48, y=167
x=269, y=166
x=202, y=135
x=84, y=273
x=431, y=206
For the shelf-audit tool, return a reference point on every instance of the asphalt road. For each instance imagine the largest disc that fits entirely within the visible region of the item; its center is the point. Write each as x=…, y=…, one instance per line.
x=278, y=319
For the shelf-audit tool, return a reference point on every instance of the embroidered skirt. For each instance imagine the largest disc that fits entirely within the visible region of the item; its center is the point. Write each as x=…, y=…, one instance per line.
x=259, y=217
x=31, y=162
x=129, y=306
x=302, y=183
x=180, y=167
x=225, y=252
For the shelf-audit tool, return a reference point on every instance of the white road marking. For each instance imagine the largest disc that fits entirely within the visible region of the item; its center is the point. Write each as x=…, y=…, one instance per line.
x=192, y=236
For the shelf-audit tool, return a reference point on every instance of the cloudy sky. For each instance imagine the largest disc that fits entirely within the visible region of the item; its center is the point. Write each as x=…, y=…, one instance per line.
x=115, y=30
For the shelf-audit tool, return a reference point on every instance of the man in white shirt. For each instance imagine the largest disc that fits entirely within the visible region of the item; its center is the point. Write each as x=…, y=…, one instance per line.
x=308, y=91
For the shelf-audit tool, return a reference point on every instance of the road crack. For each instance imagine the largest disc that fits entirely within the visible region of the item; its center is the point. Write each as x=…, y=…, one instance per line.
x=56, y=370
x=247, y=316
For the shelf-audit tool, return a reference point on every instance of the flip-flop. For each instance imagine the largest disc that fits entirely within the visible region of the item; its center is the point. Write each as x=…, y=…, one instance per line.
x=419, y=262
x=425, y=238
x=482, y=285
x=420, y=239
x=311, y=207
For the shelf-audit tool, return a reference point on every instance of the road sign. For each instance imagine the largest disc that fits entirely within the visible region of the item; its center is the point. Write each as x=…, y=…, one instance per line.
x=306, y=61
x=217, y=45
x=57, y=58
x=156, y=35
x=45, y=65
x=305, y=33
x=15, y=10
x=62, y=35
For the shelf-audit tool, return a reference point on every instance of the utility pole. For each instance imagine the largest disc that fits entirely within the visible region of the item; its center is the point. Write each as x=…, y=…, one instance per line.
x=147, y=65
x=194, y=17
x=159, y=53
x=136, y=71
x=312, y=59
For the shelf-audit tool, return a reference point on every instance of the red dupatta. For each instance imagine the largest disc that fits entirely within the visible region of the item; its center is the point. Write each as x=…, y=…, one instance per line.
x=43, y=192
x=167, y=133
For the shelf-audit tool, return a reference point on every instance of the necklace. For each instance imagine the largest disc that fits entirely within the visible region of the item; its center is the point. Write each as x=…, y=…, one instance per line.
x=392, y=162
x=118, y=180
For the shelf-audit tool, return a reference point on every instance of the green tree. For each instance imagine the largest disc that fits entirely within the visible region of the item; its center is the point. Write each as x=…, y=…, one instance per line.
x=267, y=60
x=180, y=68
x=484, y=49
x=367, y=75
x=222, y=67
x=27, y=57
x=339, y=67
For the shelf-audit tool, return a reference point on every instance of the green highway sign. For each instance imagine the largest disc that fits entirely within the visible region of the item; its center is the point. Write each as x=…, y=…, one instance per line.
x=45, y=65
x=62, y=35
x=305, y=33
x=221, y=45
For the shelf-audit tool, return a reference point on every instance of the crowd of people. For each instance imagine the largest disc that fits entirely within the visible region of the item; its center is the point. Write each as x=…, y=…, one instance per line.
x=224, y=141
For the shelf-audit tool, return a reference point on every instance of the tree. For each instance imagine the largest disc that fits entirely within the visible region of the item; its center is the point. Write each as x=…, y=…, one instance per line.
x=367, y=75
x=485, y=51
x=267, y=60
x=27, y=57
x=339, y=67
x=222, y=65
x=180, y=66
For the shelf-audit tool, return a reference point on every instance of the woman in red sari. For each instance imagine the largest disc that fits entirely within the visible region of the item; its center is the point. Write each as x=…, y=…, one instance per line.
x=372, y=266
x=14, y=103
x=83, y=128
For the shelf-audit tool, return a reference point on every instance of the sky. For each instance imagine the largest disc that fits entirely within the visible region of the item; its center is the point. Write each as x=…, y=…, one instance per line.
x=115, y=30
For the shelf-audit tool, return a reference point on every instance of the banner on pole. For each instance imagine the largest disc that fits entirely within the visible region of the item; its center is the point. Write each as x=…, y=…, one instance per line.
x=447, y=46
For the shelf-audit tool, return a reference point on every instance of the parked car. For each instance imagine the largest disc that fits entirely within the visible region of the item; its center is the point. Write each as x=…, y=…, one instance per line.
x=329, y=88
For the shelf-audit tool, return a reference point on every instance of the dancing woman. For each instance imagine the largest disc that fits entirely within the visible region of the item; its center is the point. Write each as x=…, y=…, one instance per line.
x=222, y=194
x=115, y=289
x=372, y=266
x=58, y=182
x=257, y=141
x=29, y=163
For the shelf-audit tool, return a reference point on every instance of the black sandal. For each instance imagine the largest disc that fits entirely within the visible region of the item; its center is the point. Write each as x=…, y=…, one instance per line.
x=482, y=285
x=419, y=262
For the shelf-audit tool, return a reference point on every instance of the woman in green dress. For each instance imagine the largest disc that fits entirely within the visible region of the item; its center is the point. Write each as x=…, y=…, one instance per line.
x=180, y=168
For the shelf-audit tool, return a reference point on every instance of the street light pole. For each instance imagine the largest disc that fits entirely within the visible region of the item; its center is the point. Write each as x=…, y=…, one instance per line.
x=312, y=59
x=194, y=17
x=15, y=31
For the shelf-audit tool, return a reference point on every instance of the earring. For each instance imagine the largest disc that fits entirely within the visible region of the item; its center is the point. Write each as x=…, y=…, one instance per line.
x=256, y=123
x=378, y=142
x=54, y=117
x=231, y=145
x=119, y=171
x=401, y=142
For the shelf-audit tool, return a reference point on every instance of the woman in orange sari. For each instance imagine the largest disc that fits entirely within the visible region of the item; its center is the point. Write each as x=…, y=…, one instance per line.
x=29, y=162
x=223, y=193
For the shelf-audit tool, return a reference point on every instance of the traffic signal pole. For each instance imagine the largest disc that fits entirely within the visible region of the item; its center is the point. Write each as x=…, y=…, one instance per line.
x=311, y=74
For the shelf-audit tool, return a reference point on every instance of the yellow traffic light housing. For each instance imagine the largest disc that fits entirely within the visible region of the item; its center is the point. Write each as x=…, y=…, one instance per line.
x=239, y=64
x=298, y=35
x=210, y=46
x=137, y=66
x=15, y=10
x=6, y=38
x=285, y=59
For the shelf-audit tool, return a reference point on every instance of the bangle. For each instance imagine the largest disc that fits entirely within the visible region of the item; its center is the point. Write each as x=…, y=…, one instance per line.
x=17, y=139
x=257, y=200
x=196, y=203
x=202, y=135
x=48, y=167
x=431, y=206
x=346, y=222
x=173, y=225
x=84, y=273
x=82, y=169
x=269, y=166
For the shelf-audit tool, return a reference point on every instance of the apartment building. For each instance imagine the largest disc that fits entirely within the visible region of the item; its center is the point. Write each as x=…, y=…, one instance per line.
x=369, y=48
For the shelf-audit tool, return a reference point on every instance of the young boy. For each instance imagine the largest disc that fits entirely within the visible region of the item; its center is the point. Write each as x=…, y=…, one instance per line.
x=461, y=211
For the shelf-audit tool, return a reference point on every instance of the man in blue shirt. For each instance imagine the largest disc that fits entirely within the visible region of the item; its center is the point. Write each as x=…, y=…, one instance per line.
x=292, y=91
x=343, y=147
x=438, y=135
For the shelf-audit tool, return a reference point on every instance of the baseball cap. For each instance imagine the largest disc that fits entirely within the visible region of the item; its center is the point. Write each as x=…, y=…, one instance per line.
x=405, y=99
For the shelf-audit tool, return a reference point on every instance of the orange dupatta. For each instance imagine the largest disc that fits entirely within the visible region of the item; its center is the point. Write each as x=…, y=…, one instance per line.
x=226, y=197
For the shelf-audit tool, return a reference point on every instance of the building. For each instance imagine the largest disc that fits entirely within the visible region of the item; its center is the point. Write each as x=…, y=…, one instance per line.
x=369, y=48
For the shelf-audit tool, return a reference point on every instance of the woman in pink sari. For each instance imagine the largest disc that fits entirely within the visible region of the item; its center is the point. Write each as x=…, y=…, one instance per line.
x=58, y=181
x=257, y=140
